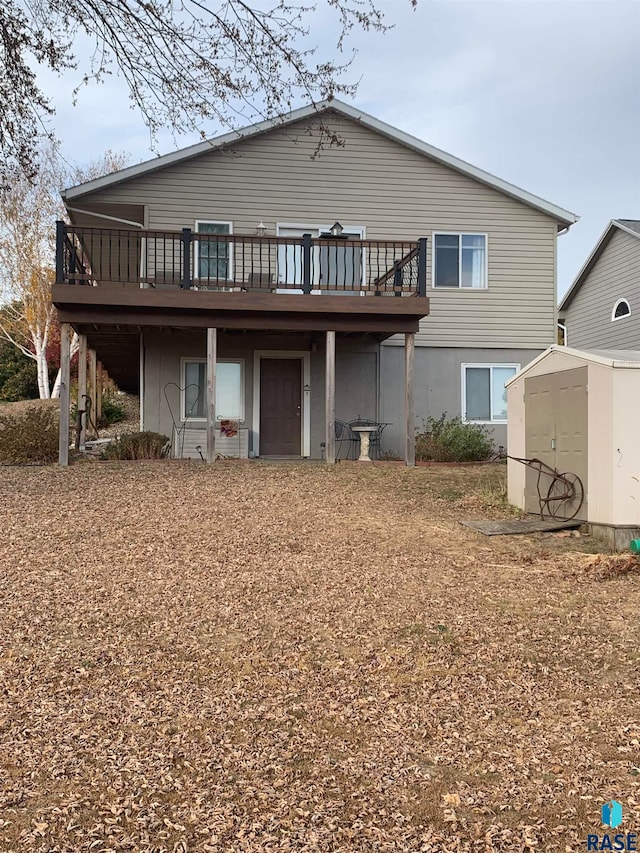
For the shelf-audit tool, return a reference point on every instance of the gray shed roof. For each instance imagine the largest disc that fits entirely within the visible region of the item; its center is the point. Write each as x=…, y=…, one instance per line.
x=563, y=217
x=629, y=226
x=617, y=358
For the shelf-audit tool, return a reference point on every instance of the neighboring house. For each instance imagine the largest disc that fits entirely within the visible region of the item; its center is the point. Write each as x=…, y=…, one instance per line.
x=237, y=236
x=601, y=309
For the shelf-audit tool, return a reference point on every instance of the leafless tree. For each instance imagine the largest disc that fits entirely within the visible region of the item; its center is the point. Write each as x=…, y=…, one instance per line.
x=186, y=62
x=27, y=211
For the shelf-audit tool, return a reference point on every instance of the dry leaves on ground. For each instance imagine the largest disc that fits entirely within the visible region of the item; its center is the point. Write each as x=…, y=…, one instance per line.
x=248, y=657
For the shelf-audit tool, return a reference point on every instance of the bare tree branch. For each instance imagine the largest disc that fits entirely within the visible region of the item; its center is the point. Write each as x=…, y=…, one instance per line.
x=186, y=63
x=27, y=211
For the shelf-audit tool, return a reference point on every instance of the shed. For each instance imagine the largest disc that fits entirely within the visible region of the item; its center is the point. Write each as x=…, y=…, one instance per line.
x=579, y=412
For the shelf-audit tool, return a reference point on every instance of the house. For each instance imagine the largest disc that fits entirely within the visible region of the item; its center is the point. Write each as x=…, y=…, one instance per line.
x=275, y=283
x=601, y=309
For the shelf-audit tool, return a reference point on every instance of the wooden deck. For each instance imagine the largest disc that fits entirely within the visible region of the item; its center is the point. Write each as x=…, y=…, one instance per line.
x=117, y=305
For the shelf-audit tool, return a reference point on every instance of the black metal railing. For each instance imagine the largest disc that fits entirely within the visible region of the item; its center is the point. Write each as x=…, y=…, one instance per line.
x=190, y=259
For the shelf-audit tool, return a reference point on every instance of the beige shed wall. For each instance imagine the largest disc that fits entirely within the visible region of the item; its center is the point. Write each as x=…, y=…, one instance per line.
x=395, y=193
x=601, y=417
x=625, y=451
x=613, y=449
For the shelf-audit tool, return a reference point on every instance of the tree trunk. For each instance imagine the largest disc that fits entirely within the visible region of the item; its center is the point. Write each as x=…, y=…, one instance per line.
x=75, y=346
x=43, y=372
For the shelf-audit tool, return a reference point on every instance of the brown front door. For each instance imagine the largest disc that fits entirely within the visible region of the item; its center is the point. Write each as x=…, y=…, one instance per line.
x=280, y=406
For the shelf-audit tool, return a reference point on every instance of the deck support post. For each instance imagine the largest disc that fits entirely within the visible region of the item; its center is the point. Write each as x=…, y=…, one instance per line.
x=409, y=401
x=330, y=398
x=81, y=428
x=65, y=374
x=93, y=388
x=212, y=345
x=99, y=394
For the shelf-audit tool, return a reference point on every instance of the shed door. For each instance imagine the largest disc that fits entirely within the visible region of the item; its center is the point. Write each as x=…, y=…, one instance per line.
x=556, y=432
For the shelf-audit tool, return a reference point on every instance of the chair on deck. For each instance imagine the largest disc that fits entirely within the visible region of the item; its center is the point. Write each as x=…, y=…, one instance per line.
x=375, y=438
x=259, y=281
x=345, y=435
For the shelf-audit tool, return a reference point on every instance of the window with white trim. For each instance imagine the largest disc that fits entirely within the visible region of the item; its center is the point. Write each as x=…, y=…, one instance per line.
x=621, y=309
x=460, y=260
x=484, y=397
x=229, y=389
x=213, y=258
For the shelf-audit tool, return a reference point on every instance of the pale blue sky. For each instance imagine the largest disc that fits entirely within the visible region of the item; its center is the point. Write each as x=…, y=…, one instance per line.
x=542, y=93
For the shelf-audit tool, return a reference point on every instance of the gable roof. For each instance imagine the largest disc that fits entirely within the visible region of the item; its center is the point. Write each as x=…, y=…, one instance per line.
x=623, y=358
x=628, y=226
x=564, y=218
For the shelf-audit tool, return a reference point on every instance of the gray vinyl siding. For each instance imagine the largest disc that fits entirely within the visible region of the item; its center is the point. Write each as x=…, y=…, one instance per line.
x=356, y=377
x=615, y=275
x=438, y=385
x=395, y=193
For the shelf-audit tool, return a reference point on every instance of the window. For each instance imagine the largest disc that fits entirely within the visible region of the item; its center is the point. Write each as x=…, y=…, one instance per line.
x=460, y=260
x=229, y=389
x=213, y=259
x=484, y=397
x=337, y=263
x=621, y=309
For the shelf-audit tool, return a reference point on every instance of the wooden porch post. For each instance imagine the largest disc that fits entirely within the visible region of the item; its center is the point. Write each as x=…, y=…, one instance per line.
x=65, y=371
x=99, y=393
x=93, y=386
x=81, y=435
x=212, y=344
x=409, y=402
x=330, y=398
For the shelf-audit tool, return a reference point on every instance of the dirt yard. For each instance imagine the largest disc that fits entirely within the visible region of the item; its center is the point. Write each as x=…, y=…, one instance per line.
x=253, y=657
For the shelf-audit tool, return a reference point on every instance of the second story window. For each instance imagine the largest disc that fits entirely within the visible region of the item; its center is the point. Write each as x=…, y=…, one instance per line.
x=213, y=258
x=460, y=260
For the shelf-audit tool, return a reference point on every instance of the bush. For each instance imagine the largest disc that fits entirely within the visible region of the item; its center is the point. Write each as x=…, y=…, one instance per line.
x=138, y=445
x=112, y=411
x=446, y=439
x=29, y=435
x=18, y=374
